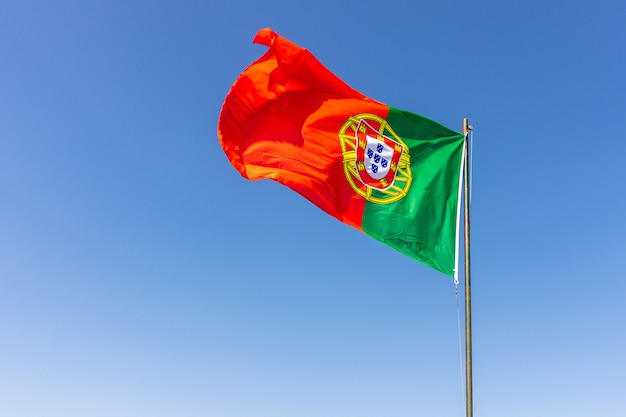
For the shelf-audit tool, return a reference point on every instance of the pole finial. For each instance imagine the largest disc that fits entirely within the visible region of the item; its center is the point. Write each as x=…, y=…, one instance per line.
x=466, y=126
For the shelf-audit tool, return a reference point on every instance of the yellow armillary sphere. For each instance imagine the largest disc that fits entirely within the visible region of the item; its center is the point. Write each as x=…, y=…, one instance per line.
x=376, y=162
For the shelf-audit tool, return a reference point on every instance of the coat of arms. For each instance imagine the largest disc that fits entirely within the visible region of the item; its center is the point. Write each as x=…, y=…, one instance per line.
x=375, y=160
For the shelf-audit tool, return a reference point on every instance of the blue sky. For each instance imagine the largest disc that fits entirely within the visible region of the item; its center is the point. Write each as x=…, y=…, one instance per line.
x=140, y=275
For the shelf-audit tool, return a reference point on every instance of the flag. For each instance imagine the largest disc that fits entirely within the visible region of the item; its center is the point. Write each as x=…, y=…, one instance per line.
x=392, y=174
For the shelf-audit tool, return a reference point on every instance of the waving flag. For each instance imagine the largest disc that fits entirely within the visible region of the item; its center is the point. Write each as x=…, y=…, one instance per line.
x=392, y=174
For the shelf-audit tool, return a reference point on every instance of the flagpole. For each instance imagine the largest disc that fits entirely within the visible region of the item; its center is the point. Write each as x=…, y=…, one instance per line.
x=469, y=407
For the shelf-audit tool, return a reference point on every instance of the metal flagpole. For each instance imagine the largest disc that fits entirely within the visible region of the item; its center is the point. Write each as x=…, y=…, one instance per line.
x=468, y=300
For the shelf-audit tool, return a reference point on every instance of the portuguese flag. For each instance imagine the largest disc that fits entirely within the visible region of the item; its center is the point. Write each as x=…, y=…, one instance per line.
x=389, y=173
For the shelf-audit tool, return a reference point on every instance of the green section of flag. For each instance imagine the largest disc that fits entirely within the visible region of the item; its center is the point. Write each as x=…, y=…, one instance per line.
x=422, y=225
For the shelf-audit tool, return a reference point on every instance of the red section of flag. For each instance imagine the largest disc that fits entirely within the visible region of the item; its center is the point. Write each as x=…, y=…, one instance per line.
x=281, y=119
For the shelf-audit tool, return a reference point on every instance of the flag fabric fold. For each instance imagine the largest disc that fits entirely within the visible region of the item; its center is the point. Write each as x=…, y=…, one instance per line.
x=392, y=174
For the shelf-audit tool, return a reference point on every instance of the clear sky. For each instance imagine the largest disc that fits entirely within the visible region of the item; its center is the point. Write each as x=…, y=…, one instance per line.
x=140, y=275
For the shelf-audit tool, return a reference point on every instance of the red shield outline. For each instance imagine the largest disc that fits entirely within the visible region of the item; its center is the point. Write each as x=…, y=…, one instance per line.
x=379, y=175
